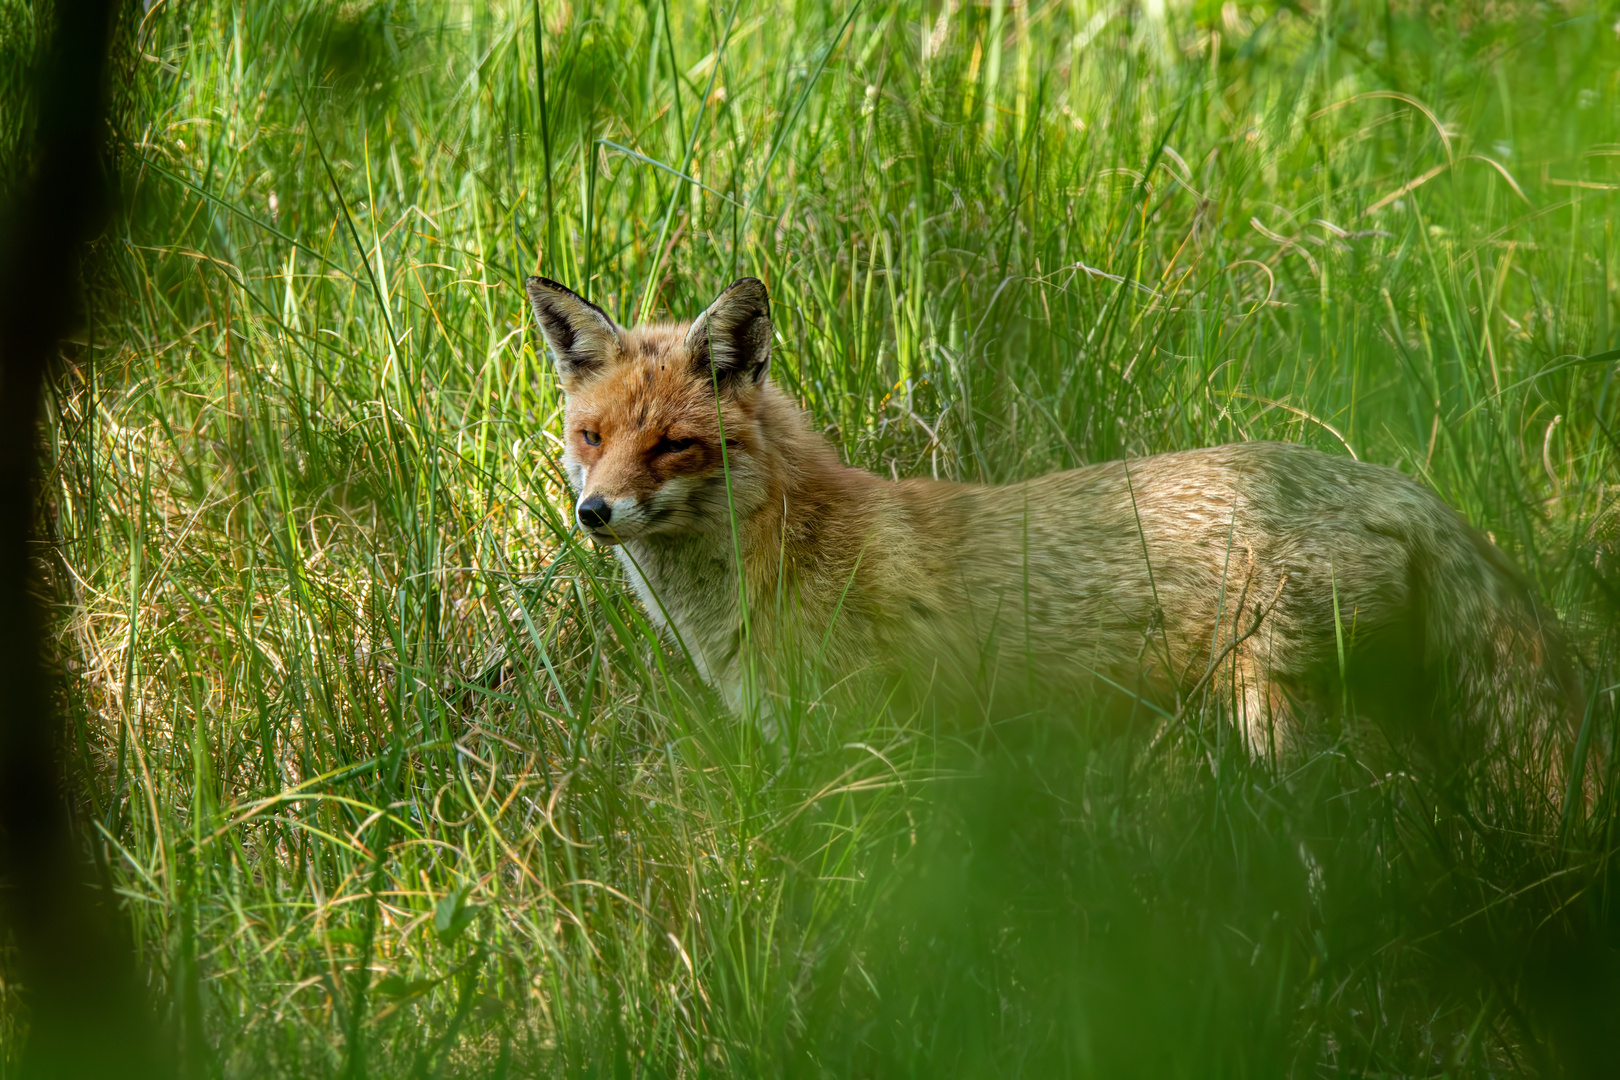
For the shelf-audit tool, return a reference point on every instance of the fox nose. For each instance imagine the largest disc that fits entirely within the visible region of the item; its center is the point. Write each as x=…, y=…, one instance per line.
x=594, y=512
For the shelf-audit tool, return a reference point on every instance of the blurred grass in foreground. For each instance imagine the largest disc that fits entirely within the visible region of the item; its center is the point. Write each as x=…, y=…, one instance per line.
x=395, y=779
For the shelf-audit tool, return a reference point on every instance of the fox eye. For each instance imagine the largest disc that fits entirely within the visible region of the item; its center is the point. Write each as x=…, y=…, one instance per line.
x=674, y=446
x=591, y=437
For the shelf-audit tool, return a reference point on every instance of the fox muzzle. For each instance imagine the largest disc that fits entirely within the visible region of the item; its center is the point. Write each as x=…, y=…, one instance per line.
x=609, y=520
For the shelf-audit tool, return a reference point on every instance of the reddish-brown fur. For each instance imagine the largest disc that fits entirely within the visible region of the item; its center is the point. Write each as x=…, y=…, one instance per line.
x=1259, y=573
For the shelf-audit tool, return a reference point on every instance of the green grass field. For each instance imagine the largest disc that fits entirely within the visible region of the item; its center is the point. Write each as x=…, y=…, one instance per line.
x=394, y=778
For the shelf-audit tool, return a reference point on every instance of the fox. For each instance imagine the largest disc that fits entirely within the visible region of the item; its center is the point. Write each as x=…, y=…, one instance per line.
x=1281, y=580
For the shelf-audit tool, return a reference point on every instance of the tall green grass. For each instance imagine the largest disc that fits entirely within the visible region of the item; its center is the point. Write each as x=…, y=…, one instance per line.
x=393, y=777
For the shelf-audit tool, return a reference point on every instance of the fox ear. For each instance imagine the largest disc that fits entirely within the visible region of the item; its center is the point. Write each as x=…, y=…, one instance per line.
x=734, y=336
x=583, y=339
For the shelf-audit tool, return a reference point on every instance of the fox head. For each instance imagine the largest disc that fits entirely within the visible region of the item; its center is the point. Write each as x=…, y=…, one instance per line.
x=657, y=415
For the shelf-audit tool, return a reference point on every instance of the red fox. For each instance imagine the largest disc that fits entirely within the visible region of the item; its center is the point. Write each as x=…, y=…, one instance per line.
x=1276, y=578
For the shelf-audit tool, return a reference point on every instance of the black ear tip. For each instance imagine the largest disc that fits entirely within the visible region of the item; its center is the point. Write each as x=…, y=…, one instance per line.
x=537, y=284
x=750, y=289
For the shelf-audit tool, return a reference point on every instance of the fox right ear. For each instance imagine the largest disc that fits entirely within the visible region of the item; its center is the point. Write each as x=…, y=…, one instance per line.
x=731, y=341
x=583, y=339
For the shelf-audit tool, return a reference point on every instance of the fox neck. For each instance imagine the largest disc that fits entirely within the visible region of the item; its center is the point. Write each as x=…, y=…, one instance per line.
x=688, y=582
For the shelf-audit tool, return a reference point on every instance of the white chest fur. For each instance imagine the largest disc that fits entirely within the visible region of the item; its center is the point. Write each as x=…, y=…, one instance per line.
x=689, y=589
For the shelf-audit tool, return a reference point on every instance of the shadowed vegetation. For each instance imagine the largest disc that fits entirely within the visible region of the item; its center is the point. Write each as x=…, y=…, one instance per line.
x=396, y=780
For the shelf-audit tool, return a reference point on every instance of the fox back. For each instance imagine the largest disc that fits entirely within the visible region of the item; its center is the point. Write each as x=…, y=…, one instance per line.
x=1283, y=583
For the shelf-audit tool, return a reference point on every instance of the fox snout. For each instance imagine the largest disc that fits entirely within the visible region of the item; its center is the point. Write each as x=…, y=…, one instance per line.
x=610, y=521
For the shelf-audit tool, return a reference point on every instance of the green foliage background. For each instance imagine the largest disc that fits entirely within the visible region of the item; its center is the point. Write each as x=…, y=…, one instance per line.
x=395, y=779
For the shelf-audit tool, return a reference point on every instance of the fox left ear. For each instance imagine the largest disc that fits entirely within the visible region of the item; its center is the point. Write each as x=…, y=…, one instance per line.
x=733, y=337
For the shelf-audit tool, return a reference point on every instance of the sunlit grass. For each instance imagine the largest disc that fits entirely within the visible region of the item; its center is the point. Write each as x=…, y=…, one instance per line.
x=396, y=779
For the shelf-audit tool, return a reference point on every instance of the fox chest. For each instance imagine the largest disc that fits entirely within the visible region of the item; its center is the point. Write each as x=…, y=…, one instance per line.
x=692, y=597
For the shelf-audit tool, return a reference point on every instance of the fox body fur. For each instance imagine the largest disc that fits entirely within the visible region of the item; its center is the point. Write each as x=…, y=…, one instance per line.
x=1265, y=574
